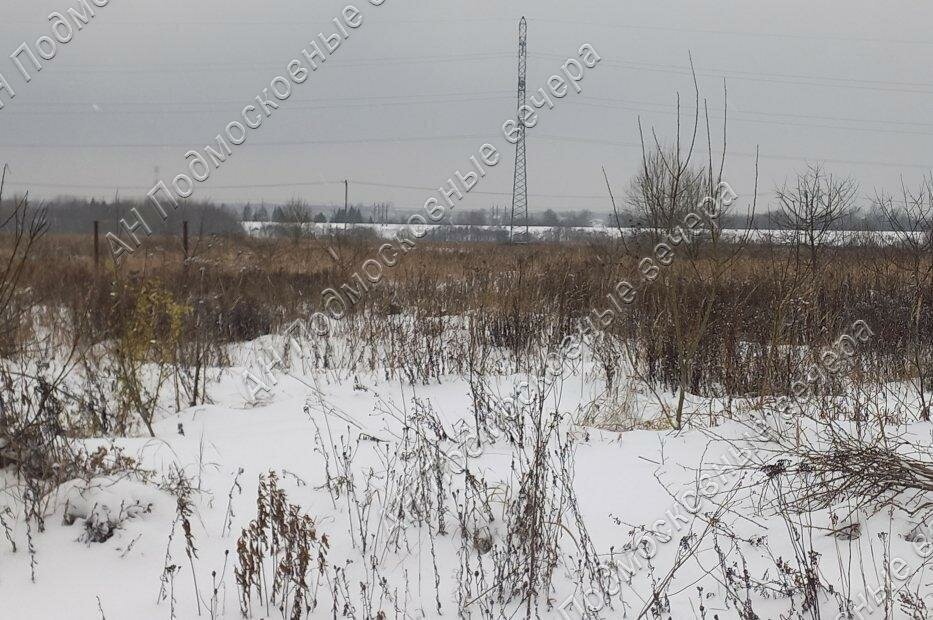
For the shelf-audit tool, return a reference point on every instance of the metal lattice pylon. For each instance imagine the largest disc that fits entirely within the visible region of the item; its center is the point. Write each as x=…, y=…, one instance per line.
x=520, y=181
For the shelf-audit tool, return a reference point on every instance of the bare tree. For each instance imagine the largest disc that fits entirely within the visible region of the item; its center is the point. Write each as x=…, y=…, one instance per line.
x=295, y=214
x=669, y=187
x=813, y=205
x=295, y=211
x=910, y=216
x=664, y=191
x=23, y=227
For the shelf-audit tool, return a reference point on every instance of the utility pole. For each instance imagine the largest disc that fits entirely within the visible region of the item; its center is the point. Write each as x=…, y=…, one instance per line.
x=520, y=180
x=346, y=202
x=96, y=245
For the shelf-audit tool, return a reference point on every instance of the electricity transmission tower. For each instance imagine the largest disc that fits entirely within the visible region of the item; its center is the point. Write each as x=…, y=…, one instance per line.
x=520, y=181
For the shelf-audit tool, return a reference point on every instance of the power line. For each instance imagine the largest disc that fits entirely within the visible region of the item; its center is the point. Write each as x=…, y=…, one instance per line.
x=747, y=33
x=254, y=66
x=424, y=188
x=95, y=109
x=852, y=119
x=774, y=78
x=148, y=187
x=651, y=108
x=240, y=101
x=749, y=154
x=784, y=123
x=208, y=187
x=759, y=76
x=822, y=81
x=260, y=24
x=252, y=24
x=457, y=137
x=164, y=145
x=451, y=98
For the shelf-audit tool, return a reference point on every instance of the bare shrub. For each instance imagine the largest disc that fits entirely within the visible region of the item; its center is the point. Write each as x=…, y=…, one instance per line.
x=283, y=540
x=816, y=203
x=830, y=465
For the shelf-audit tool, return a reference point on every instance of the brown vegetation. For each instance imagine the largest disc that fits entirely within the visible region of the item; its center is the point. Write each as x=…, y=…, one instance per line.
x=519, y=297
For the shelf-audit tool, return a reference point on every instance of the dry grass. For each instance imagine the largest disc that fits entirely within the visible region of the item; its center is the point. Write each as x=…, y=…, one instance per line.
x=520, y=297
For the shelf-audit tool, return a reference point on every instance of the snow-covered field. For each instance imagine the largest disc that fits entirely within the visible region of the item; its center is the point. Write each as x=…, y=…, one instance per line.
x=832, y=237
x=411, y=517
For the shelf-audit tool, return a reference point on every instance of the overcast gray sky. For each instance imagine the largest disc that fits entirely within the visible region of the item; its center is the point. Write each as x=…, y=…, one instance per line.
x=421, y=85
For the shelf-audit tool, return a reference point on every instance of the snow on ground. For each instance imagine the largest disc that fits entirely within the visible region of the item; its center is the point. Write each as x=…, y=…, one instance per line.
x=834, y=237
x=633, y=489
